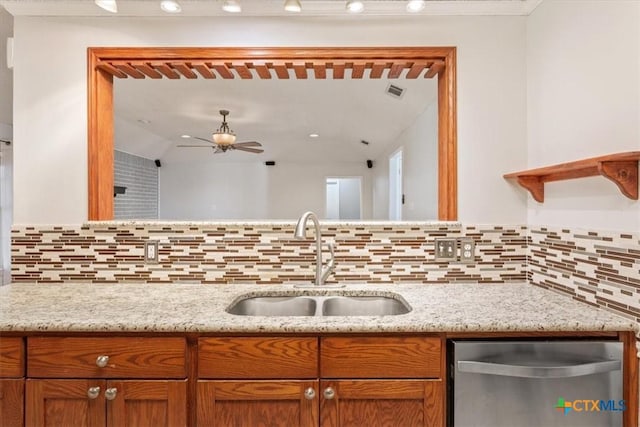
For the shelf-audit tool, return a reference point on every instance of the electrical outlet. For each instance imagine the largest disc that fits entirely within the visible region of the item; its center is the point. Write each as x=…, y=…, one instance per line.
x=446, y=249
x=151, y=251
x=467, y=250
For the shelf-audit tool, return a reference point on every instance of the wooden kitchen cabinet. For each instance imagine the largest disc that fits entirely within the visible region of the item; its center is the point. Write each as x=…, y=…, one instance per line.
x=123, y=381
x=388, y=403
x=257, y=403
x=381, y=381
x=11, y=382
x=100, y=403
x=11, y=402
x=328, y=382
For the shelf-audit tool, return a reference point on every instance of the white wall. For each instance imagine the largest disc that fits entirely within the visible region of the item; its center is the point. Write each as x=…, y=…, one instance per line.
x=6, y=75
x=208, y=189
x=583, y=78
x=50, y=113
x=6, y=151
x=419, y=143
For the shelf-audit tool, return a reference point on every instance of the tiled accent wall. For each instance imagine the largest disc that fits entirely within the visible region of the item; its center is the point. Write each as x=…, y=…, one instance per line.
x=599, y=268
x=140, y=176
x=261, y=253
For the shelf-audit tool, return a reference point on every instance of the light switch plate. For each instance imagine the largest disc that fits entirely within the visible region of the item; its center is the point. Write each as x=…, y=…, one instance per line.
x=446, y=249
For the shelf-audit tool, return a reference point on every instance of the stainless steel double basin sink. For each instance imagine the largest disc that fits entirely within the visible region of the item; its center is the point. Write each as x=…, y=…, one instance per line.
x=320, y=305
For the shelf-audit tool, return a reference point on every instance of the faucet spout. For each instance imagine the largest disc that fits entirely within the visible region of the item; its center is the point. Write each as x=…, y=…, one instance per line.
x=300, y=233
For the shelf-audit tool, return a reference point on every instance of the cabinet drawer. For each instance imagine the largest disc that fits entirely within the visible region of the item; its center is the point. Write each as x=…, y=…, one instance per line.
x=250, y=358
x=126, y=357
x=11, y=357
x=380, y=357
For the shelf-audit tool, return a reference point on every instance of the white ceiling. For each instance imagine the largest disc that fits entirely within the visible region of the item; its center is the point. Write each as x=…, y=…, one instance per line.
x=151, y=116
x=278, y=113
x=267, y=7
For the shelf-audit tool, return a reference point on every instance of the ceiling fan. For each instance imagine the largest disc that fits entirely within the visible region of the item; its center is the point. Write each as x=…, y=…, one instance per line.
x=224, y=140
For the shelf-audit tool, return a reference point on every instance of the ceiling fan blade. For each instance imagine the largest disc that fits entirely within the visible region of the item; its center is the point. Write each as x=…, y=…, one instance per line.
x=197, y=146
x=248, y=144
x=202, y=139
x=250, y=150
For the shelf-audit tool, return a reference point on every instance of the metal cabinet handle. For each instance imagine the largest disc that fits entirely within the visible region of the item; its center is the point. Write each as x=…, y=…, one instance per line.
x=93, y=392
x=560, y=371
x=110, y=393
x=102, y=361
x=309, y=393
x=329, y=393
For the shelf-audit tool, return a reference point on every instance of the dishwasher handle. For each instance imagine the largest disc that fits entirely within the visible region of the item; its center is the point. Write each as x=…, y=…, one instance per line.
x=523, y=371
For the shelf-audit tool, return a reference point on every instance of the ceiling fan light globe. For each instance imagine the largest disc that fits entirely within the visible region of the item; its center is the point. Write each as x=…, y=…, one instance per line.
x=224, y=138
x=231, y=6
x=293, y=6
x=108, y=5
x=355, y=6
x=414, y=6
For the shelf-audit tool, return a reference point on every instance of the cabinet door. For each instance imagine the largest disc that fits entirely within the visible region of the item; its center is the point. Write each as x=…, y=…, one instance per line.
x=146, y=403
x=381, y=403
x=11, y=403
x=65, y=403
x=257, y=403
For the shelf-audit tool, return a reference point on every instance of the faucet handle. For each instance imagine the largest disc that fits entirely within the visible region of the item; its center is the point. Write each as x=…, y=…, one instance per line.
x=331, y=248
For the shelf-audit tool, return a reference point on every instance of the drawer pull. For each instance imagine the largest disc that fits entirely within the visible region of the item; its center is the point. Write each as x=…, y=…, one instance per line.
x=93, y=392
x=110, y=393
x=102, y=361
x=309, y=393
x=329, y=393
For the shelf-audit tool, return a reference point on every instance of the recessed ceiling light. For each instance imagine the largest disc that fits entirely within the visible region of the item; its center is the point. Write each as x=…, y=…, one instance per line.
x=232, y=6
x=355, y=6
x=292, y=6
x=314, y=135
x=414, y=6
x=108, y=5
x=185, y=136
x=170, y=6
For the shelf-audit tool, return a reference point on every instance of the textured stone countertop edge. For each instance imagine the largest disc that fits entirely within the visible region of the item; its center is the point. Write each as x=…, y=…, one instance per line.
x=195, y=308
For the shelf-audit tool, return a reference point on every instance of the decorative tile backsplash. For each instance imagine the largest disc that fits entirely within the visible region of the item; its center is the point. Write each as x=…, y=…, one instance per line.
x=225, y=253
x=599, y=268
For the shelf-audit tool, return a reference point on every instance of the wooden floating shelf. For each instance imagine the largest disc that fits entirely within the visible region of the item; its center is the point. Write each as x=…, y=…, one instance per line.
x=621, y=168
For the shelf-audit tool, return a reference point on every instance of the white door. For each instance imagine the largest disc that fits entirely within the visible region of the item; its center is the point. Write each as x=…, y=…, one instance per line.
x=395, y=186
x=333, y=198
x=6, y=208
x=344, y=198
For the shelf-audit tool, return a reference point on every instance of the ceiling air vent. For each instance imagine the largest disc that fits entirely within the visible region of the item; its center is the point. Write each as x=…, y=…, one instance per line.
x=395, y=91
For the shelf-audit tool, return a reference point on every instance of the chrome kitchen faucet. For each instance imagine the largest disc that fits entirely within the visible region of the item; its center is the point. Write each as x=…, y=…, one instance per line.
x=322, y=273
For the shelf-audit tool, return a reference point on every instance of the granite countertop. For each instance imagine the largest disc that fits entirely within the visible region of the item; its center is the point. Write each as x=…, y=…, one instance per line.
x=174, y=308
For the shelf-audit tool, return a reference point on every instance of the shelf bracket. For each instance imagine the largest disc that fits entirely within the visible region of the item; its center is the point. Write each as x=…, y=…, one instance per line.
x=534, y=185
x=623, y=174
x=621, y=168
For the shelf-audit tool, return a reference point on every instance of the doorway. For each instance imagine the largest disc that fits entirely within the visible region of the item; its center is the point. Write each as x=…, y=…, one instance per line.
x=395, y=186
x=344, y=198
x=6, y=208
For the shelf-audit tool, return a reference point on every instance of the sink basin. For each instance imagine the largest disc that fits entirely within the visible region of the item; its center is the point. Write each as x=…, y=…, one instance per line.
x=274, y=306
x=319, y=305
x=363, y=306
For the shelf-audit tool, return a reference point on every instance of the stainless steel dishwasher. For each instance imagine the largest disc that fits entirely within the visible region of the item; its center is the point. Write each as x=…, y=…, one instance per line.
x=536, y=383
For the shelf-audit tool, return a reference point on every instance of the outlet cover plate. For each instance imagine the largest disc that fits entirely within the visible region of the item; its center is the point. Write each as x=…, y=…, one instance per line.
x=151, y=251
x=467, y=250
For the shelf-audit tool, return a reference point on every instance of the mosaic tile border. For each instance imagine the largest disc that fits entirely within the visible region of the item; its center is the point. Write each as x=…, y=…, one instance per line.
x=220, y=253
x=599, y=268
